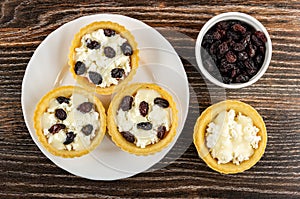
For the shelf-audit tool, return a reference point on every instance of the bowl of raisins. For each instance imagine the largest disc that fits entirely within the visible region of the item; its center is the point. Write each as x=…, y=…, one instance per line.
x=233, y=50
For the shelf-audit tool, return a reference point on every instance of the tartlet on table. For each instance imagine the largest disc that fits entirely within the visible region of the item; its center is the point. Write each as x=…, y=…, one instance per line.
x=142, y=119
x=103, y=56
x=244, y=112
x=69, y=121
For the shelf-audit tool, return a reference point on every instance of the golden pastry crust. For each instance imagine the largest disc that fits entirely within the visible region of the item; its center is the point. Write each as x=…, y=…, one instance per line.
x=200, y=130
x=76, y=43
x=116, y=136
x=67, y=91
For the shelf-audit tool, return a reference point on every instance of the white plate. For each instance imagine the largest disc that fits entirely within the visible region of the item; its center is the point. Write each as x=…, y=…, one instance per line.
x=159, y=63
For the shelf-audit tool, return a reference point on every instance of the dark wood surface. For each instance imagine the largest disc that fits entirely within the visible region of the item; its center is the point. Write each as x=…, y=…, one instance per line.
x=26, y=172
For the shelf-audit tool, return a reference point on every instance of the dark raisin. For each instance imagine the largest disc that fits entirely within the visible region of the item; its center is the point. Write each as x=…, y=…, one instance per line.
x=109, y=32
x=85, y=107
x=256, y=41
x=126, y=49
x=226, y=80
x=242, y=56
x=161, y=102
x=217, y=35
x=109, y=52
x=95, y=77
x=258, y=59
x=144, y=125
x=144, y=108
x=250, y=68
x=56, y=128
x=60, y=114
x=214, y=47
x=230, y=57
x=233, y=35
x=222, y=25
x=261, y=36
x=223, y=48
x=87, y=129
x=117, y=72
x=238, y=47
x=161, y=132
x=128, y=136
x=235, y=72
x=126, y=103
x=62, y=99
x=70, y=138
x=241, y=78
x=252, y=50
x=79, y=68
x=262, y=50
x=92, y=44
x=239, y=28
x=225, y=67
x=247, y=39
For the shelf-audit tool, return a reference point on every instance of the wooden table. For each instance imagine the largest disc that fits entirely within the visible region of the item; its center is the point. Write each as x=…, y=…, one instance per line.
x=26, y=172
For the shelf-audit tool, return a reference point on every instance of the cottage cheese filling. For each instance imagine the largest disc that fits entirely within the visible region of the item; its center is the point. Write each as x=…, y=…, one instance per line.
x=232, y=137
x=157, y=116
x=95, y=60
x=74, y=122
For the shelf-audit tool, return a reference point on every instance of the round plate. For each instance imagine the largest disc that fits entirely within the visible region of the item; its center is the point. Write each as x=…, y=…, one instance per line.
x=159, y=64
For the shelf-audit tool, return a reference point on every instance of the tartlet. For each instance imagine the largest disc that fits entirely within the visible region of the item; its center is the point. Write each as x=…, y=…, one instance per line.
x=69, y=121
x=103, y=56
x=142, y=119
x=208, y=116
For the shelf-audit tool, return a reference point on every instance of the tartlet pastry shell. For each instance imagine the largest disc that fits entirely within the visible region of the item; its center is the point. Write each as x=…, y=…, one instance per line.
x=134, y=59
x=116, y=136
x=67, y=92
x=200, y=130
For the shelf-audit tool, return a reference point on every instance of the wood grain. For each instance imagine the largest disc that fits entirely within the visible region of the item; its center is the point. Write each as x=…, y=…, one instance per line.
x=26, y=172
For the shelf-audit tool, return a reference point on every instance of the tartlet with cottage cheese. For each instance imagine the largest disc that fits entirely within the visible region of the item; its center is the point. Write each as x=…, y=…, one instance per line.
x=230, y=136
x=69, y=121
x=103, y=56
x=142, y=119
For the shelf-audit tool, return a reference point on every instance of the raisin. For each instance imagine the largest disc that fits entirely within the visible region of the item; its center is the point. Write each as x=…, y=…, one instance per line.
x=92, y=44
x=87, y=129
x=109, y=52
x=233, y=35
x=56, y=128
x=217, y=35
x=126, y=49
x=241, y=78
x=144, y=125
x=117, y=72
x=261, y=36
x=95, y=77
x=62, y=99
x=109, y=32
x=161, y=132
x=262, y=50
x=225, y=67
x=235, y=72
x=226, y=80
x=128, y=136
x=126, y=103
x=161, y=102
x=230, y=57
x=252, y=50
x=239, y=28
x=222, y=25
x=60, y=114
x=70, y=138
x=223, y=48
x=258, y=59
x=144, y=108
x=238, y=47
x=242, y=56
x=256, y=41
x=214, y=47
x=85, y=107
x=79, y=68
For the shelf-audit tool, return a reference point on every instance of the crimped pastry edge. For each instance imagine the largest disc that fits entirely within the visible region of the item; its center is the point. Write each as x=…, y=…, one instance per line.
x=43, y=105
x=208, y=115
x=134, y=58
x=116, y=135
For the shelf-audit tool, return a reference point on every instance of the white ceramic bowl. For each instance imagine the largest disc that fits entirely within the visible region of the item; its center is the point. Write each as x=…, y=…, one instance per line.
x=234, y=16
